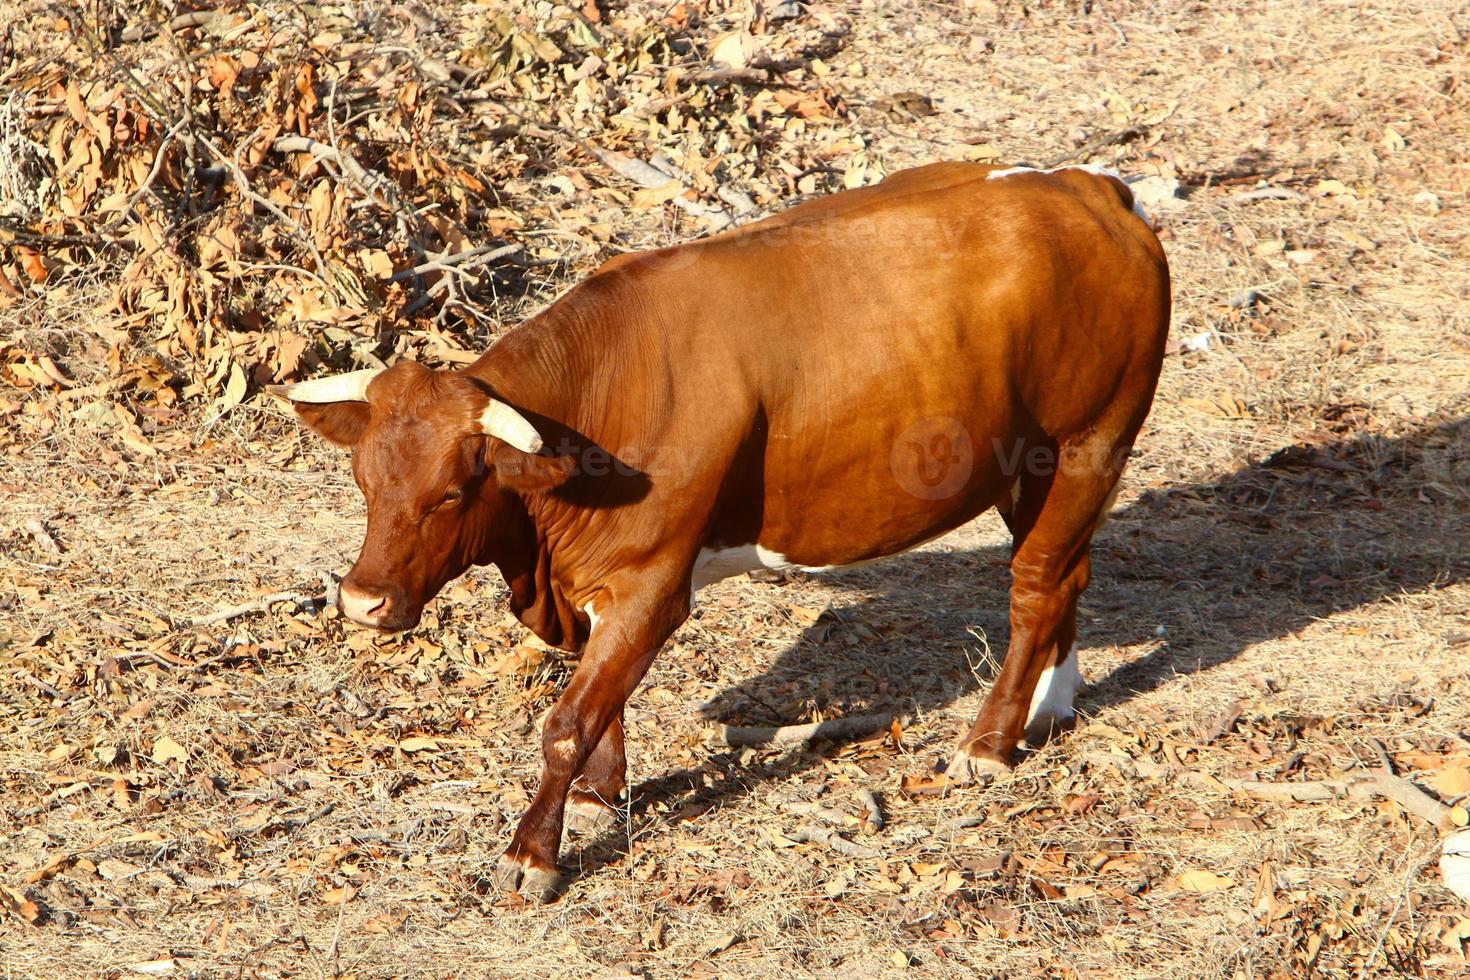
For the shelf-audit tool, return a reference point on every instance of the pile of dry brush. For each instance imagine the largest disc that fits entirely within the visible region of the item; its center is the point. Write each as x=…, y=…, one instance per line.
x=245, y=193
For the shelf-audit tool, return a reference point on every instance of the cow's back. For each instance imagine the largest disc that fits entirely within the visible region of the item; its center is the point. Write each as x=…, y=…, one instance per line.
x=808, y=371
x=906, y=349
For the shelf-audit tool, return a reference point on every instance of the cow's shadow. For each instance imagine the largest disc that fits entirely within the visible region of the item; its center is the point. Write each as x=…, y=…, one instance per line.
x=1220, y=565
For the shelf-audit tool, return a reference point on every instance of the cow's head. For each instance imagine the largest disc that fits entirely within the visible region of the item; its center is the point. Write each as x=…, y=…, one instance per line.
x=438, y=459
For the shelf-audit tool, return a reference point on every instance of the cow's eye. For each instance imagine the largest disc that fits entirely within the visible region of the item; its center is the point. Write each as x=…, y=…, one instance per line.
x=453, y=496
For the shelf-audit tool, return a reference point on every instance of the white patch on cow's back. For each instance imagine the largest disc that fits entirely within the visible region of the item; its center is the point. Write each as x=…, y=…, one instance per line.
x=1055, y=690
x=1090, y=168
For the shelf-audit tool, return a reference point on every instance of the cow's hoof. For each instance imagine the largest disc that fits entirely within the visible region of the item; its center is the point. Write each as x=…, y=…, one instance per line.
x=972, y=770
x=521, y=874
x=586, y=814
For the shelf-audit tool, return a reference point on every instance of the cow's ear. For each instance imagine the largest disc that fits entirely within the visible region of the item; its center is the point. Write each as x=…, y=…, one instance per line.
x=522, y=471
x=338, y=422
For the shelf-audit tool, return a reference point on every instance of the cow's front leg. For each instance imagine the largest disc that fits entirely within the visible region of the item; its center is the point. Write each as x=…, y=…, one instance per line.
x=621, y=647
x=592, y=803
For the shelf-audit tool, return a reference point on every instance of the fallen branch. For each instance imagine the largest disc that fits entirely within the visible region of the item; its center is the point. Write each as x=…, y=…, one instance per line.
x=833, y=730
x=1266, y=194
x=812, y=834
x=373, y=183
x=460, y=262
x=42, y=537
x=738, y=76
x=242, y=183
x=194, y=18
x=1115, y=138
x=649, y=176
x=1357, y=786
x=263, y=603
x=869, y=801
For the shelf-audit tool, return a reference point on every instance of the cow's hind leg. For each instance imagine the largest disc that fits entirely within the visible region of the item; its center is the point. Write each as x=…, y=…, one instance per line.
x=596, y=794
x=1052, y=525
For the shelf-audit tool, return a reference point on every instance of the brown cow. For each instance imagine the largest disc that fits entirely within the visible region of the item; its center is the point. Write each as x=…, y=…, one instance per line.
x=841, y=382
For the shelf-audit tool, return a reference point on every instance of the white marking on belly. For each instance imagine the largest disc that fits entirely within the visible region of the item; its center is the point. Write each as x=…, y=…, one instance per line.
x=715, y=564
x=1056, y=689
x=1015, y=494
x=1091, y=168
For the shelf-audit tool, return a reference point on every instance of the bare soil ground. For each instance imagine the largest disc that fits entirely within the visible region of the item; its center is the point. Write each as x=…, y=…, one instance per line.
x=1280, y=596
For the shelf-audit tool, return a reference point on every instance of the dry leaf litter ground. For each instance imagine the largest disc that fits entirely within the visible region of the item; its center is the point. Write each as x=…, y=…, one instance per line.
x=191, y=789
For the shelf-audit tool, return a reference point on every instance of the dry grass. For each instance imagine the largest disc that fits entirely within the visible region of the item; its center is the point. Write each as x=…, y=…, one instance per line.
x=1323, y=592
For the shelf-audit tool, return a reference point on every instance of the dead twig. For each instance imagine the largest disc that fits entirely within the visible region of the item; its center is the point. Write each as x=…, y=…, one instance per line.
x=1358, y=786
x=869, y=801
x=649, y=176
x=194, y=18
x=812, y=834
x=834, y=730
x=262, y=603
x=460, y=263
x=1115, y=138
x=242, y=183
x=1266, y=194
x=42, y=537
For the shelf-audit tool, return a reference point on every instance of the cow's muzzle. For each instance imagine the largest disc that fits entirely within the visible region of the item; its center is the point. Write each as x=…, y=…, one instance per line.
x=380, y=609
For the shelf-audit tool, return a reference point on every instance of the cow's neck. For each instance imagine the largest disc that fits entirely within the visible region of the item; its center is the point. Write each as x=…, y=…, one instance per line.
x=561, y=368
x=568, y=363
x=523, y=553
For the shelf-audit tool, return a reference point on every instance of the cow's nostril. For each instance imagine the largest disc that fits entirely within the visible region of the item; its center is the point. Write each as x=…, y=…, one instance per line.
x=360, y=607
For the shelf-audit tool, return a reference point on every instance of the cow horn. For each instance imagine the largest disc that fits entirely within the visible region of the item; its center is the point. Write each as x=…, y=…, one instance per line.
x=509, y=426
x=349, y=387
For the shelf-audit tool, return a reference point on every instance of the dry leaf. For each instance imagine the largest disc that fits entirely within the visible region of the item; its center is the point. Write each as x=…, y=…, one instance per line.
x=732, y=50
x=166, y=749
x=1451, y=783
x=650, y=197
x=339, y=896
x=1202, y=881
x=522, y=660
x=1457, y=937
x=1225, y=406
x=1454, y=864
x=16, y=902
